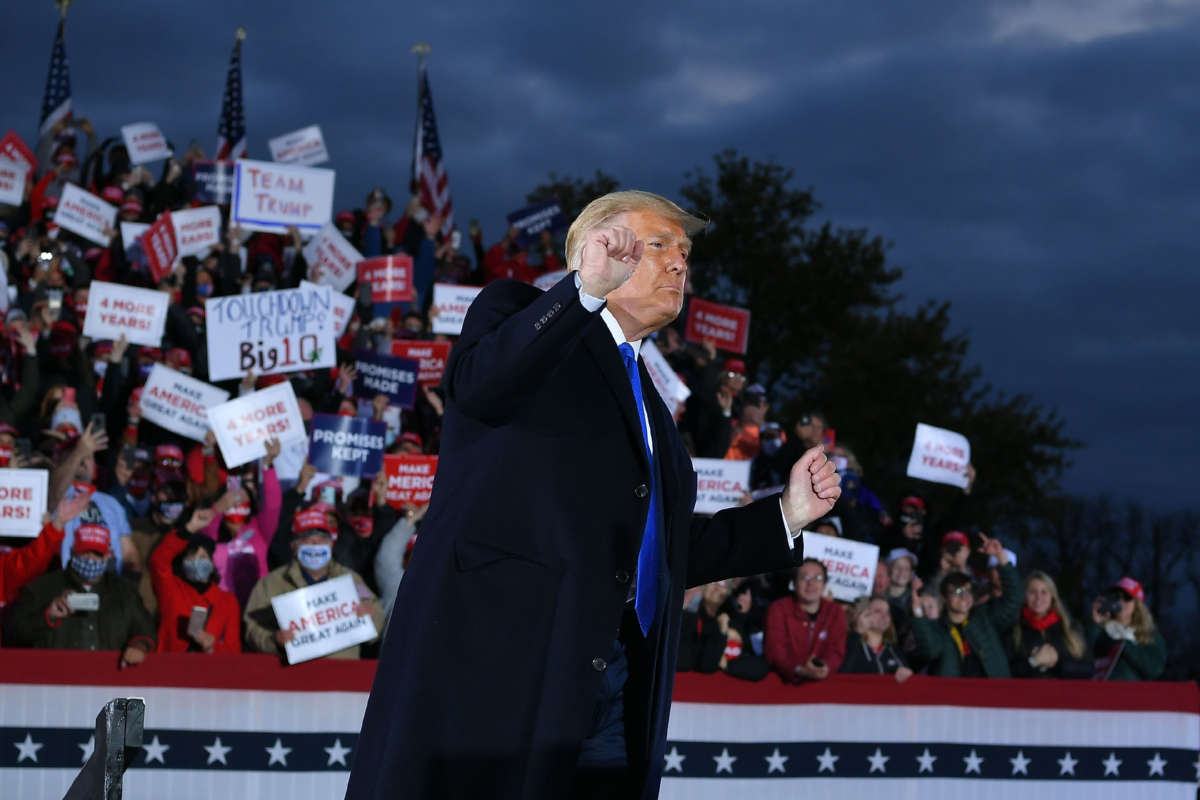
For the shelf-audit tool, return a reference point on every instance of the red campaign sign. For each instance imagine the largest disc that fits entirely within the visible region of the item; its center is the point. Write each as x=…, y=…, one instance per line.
x=727, y=327
x=409, y=479
x=432, y=356
x=13, y=148
x=390, y=278
x=159, y=244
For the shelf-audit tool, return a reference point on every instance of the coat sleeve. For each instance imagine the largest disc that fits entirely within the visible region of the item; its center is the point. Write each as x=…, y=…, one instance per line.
x=931, y=639
x=28, y=625
x=260, y=638
x=22, y=565
x=740, y=541
x=835, y=641
x=1004, y=610
x=1148, y=660
x=512, y=339
x=160, y=560
x=775, y=643
x=268, y=516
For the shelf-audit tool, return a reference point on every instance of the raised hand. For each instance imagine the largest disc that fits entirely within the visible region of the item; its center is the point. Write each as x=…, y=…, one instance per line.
x=71, y=507
x=272, y=447
x=200, y=520
x=813, y=488
x=609, y=257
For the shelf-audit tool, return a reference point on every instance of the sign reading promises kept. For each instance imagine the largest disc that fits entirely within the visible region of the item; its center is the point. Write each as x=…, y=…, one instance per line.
x=325, y=618
x=346, y=445
x=282, y=331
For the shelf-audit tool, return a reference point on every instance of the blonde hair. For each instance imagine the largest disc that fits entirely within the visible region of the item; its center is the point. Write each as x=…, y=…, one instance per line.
x=1142, y=622
x=603, y=209
x=1074, y=642
x=863, y=603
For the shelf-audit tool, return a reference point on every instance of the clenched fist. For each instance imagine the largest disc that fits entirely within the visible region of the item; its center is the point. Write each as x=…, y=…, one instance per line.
x=609, y=257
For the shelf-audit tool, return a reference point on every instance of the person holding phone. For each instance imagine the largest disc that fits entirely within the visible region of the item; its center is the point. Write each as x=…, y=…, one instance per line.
x=806, y=633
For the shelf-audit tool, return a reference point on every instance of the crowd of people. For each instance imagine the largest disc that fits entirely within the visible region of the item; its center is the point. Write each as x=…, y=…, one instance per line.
x=151, y=544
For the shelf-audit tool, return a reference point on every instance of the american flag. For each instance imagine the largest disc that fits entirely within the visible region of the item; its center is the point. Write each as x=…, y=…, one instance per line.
x=56, y=104
x=231, y=130
x=429, y=170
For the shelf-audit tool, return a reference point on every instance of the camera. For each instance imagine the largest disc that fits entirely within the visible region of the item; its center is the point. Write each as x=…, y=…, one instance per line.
x=1109, y=602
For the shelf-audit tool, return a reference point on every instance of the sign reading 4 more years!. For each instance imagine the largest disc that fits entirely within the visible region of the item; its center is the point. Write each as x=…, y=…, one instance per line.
x=270, y=332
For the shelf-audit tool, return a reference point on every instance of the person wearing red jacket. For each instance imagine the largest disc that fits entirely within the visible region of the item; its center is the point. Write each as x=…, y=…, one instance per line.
x=18, y=567
x=184, y=578
x=806, y=633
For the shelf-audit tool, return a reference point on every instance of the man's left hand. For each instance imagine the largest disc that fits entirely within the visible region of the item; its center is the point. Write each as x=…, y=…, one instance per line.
x=813, y=488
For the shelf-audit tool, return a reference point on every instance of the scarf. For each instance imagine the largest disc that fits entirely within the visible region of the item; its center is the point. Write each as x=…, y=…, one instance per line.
x=1039, y=624
x=956, y=633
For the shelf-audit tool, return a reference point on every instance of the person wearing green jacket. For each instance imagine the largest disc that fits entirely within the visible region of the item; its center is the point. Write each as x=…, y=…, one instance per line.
x=965, y=641
x=1123, y=638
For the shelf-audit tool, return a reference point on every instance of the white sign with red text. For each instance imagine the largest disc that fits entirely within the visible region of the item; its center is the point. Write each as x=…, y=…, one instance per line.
x=720, y=483
x=305, y=146
x=197, y=230
x=940, y=456
x=242, y=426
x=331, y=259
x=23, y=495
x=132, y=231
x=727, y=327
x=114, y=309
x=341, y=306
x=271, y=197
x=450, y=304
x=324, y=618
x=145, y=142
x=85, y=214
x=670, y=386
x=850, y=564
x=179, y=402
x=12, y=182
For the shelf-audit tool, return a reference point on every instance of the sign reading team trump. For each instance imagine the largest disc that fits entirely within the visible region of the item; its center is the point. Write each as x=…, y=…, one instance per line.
x=115, y=309
x=244, y=425
x=270, y=197
x=287, y=330
x=850, y=564
x=23, y=494
x=720, y=483
x=725, y=326
x=324, y=617
x=179, y=402
x=409, y=479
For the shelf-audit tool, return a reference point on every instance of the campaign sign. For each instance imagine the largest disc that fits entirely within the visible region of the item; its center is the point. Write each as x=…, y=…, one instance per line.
x=114, y=309
x=432, y=356
x=324, y=618
x=342, y=308
x=270, y=197
x=85, y=214
x=395, y=377
x=331, y=258
x=132, y=231
x=409, y=479
x=939, y=455
x=305, y=146
x=179, y=402
x=532, y=220
x=346, y=445
x=545, y=281
x=13, y=148
x=720, y=483
x=725, y=326
x=23, y=496
x=197, y=230
x=670, y=386
x=850, y=564
x=450, y=304
x=390, y=278
x=12, y=182
x=158, y=243
x=287, y=330
x=145, y=142
x=214, y=181
x=243, y=425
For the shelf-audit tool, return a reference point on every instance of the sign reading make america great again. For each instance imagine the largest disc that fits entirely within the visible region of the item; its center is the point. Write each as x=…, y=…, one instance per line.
x=270, y=332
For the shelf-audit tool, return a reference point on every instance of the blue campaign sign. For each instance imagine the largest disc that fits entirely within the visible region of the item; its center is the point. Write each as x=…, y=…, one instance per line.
x=214, y=181
x=395, y=377
x=532, y=220
x=346, y=445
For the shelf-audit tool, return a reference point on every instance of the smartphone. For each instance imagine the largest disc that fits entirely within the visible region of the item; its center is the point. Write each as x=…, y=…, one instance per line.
x=97, y=421
x=54, y=299
x=329, y=495
x=83, y=601
x=839, y=463
x=197, y=620
x=23, y=448
x=233, y=484
x=68, y=396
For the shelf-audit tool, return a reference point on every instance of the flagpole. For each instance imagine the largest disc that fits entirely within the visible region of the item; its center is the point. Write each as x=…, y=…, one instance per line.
x=62, y=7
x=421, y=49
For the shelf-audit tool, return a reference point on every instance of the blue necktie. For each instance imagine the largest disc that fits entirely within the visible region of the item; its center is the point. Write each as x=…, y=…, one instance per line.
x=644, y=602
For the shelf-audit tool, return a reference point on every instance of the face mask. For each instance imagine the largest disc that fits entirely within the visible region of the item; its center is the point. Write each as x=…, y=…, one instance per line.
x=99, y=367
x=197, y=570
x=88, y=569
x=5, y=456
x=170, y=511
x=238, y=514
x=314, y=556
x=363, y=525
x=771, y=446
x=144, y=370
x=204, y=289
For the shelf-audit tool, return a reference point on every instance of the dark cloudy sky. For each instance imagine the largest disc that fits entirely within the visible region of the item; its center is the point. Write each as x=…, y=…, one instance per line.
x=1033, y=162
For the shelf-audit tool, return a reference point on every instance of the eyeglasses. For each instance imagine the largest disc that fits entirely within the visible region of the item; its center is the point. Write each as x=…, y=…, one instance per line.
x=805, y=420
x=812, y=578
x=961, y=591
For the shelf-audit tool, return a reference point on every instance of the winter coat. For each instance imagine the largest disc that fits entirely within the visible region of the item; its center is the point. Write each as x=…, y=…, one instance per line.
x=1068, y=666
x=121, y=621
x=793, y=637
x=177, y=597
x=984, y=631
x=1137, y=661
x=861, y=659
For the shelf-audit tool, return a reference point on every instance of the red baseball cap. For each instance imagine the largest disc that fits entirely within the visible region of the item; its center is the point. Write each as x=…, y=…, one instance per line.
x=177, y=356
x=735, y=365
x=91, y=539
x=412, y=436
x=914, y=501
x=956, y=536
x=1131, y=587
x=311, y=519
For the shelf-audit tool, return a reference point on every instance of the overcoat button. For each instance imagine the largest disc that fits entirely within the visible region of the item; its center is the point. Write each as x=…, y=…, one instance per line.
x=641, y=491
x=599, y=664
x=622, y=576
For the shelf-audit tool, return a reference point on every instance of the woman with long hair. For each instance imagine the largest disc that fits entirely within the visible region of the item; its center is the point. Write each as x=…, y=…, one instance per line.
x=1045, y=641
x=871, y=648
x=1126, y=644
